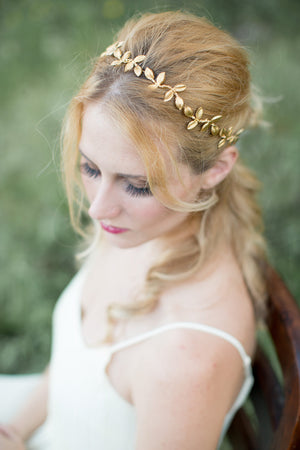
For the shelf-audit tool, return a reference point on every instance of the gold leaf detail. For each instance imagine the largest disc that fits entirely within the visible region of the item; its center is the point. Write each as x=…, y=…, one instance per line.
x=205, y=125
x=179, y=102
x=192, y=124
x=168, y=95
x=199, y=113
x=138, y=71
x=223, y=133
x=216, y=118
x=214, y=129
x=149, y=74
x=126, y=55
x=116, y=63
x=188, y=112
x=160, y=78
x=139, y=58
x=196, y=118
x=129, y=66
x=112, y=48
x=117, y=53
x=221, y=143
x=179, y=87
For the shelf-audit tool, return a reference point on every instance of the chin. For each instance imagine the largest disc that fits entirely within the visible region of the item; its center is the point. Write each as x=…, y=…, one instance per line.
x=124, y=243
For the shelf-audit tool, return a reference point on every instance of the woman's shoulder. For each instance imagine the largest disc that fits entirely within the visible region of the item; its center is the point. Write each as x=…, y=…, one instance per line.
x=190, y=370
x=216, y=296
x=218, y=305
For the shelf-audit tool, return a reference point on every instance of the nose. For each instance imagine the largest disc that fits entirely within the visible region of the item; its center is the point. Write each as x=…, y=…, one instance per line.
x=105, y=204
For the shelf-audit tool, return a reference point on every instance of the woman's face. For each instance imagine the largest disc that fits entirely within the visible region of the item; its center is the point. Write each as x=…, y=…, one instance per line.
x=116, y=185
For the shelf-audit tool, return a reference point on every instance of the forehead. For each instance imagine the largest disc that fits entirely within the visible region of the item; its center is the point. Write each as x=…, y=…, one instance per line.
x=107, y=143
x=104, y=142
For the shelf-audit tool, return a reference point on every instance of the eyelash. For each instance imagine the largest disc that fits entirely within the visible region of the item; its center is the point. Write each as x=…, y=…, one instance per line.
x=138, y=192
x=89, y=171
x=133, y=191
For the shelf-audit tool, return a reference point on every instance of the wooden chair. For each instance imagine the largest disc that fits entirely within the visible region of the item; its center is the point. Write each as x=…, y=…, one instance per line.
x=274, y=419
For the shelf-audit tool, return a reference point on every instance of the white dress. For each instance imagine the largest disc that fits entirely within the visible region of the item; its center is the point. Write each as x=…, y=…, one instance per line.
x=85, y=411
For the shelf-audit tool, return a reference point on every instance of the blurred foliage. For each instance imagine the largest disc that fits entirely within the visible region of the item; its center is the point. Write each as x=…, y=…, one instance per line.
x=45, y=53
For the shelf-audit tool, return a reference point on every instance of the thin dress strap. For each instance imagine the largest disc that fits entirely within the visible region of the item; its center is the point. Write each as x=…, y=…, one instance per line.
x=186, y=325
x=248, y=380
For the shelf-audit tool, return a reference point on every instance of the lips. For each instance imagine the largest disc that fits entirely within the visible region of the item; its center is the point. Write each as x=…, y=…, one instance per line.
x=111, y=229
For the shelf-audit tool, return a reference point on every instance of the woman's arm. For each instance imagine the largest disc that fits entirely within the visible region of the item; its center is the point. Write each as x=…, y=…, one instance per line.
x=34, y=411
x=183, y=392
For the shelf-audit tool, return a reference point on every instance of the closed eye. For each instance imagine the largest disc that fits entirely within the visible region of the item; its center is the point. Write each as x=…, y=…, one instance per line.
x=88, y=170
x=134, y=191
x=138, y=191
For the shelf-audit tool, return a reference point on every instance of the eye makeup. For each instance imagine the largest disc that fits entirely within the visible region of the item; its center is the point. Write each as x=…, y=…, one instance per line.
x=134, y=191
x=88, y=170
x=138, y=191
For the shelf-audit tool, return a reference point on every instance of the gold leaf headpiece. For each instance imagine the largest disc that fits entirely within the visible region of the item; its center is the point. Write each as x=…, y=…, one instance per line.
x=226, y=135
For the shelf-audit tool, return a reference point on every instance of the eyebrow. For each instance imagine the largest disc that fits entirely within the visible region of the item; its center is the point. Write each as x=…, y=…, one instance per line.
x=121, y=175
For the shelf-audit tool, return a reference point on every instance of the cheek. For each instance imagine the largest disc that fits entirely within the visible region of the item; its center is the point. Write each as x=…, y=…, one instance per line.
x=148, y=210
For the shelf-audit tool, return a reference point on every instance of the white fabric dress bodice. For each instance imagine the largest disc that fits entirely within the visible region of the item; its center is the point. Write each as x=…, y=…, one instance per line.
x=85, y=411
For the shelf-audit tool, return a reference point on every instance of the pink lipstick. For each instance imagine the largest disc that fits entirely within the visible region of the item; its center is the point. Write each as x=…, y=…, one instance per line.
x=111, y=229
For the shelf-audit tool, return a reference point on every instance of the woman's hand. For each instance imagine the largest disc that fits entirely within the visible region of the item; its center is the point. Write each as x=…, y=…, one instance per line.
x=10, y=439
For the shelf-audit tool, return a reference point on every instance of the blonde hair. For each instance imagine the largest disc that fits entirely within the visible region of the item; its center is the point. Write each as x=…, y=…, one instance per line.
x=214, y=68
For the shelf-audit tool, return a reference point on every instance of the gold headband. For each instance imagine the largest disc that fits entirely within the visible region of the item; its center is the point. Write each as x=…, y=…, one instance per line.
x=196, y=117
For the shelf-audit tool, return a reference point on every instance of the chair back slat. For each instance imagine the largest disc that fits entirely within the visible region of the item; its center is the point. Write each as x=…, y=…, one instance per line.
x=270, y=387
x=284, y=325
x=276, y=404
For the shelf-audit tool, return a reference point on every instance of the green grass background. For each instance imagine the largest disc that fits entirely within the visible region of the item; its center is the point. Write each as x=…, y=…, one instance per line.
x=45, y=52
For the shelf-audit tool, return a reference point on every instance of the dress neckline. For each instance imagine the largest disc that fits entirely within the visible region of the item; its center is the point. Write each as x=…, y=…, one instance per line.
x=83, y=271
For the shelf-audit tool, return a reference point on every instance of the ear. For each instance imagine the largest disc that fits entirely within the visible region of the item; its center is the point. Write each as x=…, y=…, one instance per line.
x=221, y=169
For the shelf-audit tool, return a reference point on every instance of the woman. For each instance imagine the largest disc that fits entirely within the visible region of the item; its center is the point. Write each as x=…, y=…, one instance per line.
x=152, y=339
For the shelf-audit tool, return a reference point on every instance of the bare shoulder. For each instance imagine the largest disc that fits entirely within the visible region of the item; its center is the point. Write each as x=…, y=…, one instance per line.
x=183, y=390
x=217, y=297
x=186, y=380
